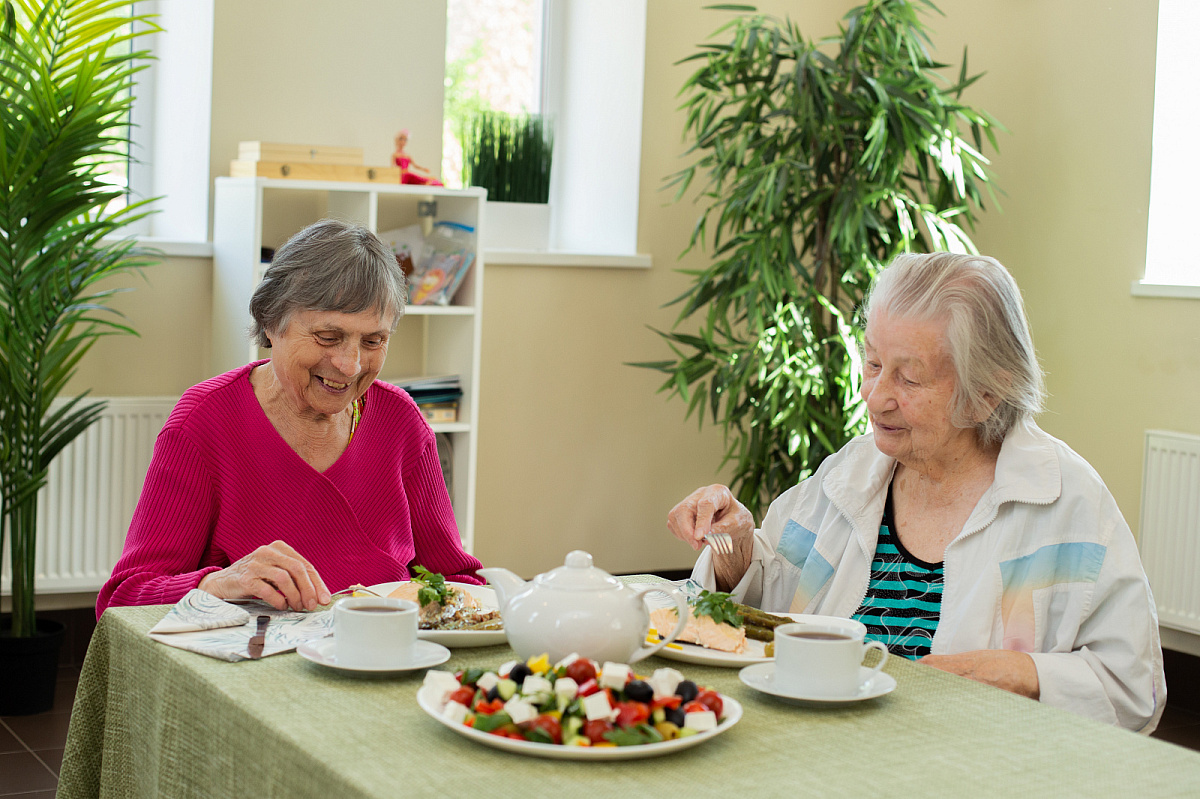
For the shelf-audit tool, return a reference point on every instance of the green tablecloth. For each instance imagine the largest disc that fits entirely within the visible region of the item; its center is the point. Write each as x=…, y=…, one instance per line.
x=151, y=720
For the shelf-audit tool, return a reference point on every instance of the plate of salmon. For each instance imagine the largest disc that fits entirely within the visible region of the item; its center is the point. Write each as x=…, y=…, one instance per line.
x=464, y=615
x=719, y=632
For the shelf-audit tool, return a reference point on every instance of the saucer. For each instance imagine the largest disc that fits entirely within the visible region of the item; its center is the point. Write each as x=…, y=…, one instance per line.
x=761, y=677
x=324, y=652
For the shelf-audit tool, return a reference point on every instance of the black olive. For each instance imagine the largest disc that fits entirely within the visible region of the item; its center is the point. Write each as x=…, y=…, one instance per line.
x=639, y=691
x=493, y=694
x=676, y=716
x=686, y=691
x=519, y=673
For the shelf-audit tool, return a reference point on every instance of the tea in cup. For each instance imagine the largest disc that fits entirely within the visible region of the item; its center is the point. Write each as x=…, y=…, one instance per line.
x=821, y=656
x=374, y=632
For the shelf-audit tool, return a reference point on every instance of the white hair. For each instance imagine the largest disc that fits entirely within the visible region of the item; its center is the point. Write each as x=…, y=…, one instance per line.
x=986, y=330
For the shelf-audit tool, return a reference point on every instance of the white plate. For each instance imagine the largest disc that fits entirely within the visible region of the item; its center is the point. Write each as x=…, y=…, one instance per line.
x=761, y=677
x=732, y=710
x=457, y=638
x=324, y=652
x=692, y=653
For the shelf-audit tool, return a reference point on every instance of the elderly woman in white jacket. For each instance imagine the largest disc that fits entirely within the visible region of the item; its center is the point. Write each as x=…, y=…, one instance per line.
x=958, y=531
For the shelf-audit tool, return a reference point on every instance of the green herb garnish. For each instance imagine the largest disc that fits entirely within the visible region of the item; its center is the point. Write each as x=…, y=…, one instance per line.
x=433, y=586
x=719, y=607
x=486, y=722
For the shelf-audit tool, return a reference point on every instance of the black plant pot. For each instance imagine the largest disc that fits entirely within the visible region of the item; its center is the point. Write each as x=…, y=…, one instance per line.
x=29, y=668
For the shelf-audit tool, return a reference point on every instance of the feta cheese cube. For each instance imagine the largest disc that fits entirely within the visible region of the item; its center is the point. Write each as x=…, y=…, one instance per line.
x=615, y=675
x=488, y=681
x=664, y=682
x=454, y=712
x=536, y=685
x=596, y=706
x=519, y=710
x=439, y=685
x=505, y=668
x=700, y=720
x=567, y=661
x=565, y=689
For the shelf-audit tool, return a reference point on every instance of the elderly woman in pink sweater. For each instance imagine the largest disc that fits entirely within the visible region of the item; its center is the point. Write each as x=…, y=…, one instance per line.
x=298, y=476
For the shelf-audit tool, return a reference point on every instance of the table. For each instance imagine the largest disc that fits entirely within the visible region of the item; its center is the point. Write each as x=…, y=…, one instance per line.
x=152, y=720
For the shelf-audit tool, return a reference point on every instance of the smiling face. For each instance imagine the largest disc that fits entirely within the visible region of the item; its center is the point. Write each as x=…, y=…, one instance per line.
x=325, y=360
x=908, y=386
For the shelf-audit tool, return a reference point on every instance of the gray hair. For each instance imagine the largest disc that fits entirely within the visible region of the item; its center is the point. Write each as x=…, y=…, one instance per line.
x=986, y=329
x=328, y=266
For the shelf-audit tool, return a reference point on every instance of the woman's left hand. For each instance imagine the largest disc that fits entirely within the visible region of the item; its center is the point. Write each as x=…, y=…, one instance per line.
x=1002, y=668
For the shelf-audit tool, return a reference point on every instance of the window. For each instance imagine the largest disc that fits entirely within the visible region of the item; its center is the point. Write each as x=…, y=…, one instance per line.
x=582, y=63
x=1172, y=261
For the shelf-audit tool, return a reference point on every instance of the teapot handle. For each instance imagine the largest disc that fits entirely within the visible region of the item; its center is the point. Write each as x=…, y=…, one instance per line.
x=682, y=609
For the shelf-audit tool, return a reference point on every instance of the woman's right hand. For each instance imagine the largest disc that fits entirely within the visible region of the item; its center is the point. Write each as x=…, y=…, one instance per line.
x=276, y=574
x=712, y=509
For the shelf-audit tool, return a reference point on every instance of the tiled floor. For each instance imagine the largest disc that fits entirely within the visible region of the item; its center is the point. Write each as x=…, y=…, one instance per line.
x=31, y=747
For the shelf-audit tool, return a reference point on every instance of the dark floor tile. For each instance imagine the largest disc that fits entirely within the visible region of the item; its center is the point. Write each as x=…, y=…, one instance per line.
x=64, y=694
x=21, y=771
x=40, y=731
x=1188, y=736
x=8, y=741
x=1175, y=716
x=52, y=758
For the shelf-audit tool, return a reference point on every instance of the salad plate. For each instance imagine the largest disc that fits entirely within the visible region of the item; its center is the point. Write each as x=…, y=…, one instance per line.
x=323, y=651
x=761, y=677
x=732, y=710
x=457, y=638
x=702, y=656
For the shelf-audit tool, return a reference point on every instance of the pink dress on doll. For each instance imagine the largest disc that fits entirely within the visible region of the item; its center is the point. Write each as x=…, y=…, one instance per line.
x=410, y=177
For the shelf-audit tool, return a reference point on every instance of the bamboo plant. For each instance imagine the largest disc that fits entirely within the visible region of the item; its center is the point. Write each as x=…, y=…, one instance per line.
x=817, y=162
x=66, y=76
x=509, y=155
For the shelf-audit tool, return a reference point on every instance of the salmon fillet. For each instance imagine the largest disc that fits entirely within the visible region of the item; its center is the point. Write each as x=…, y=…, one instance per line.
x=432, y=611
x=701, y=630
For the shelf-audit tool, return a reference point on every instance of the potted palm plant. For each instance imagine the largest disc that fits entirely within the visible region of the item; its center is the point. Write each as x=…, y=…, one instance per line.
x=66, y=79
x=821, y=160
x=510, y=156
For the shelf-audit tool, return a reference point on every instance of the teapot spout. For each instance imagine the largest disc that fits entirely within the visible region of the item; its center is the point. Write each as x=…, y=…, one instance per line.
x=506, y=583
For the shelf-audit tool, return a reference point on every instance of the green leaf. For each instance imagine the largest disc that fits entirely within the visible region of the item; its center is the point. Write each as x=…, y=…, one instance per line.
x=719, y=607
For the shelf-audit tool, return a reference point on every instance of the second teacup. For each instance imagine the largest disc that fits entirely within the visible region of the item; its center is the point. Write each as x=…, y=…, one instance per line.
x=821, y=656
x=374, y=632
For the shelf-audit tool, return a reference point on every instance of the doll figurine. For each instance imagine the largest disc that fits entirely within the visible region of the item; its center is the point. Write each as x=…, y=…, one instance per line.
x=407, y=165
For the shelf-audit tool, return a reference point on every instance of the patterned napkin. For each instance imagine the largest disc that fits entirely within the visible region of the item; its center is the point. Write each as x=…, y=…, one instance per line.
x=202, y=623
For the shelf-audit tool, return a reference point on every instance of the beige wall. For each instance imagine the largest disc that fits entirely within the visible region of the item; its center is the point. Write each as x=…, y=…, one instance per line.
x=576, y=449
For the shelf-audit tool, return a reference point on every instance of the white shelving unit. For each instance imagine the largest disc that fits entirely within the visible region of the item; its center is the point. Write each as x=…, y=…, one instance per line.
x=256, y=213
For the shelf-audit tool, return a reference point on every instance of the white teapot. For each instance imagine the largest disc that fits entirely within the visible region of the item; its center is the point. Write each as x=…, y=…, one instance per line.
x=578, y=608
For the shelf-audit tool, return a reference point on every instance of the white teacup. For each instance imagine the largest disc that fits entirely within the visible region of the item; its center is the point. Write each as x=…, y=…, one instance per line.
x=374, y=632
x=821, y=656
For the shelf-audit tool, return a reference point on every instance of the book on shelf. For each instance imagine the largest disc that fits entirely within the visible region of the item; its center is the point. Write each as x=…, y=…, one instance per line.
x=436, y=396
x=436, y=412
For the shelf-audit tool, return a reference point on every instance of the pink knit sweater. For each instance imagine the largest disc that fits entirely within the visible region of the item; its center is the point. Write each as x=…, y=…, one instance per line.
x=223, y=482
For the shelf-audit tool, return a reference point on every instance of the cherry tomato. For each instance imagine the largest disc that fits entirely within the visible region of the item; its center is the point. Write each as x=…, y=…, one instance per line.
x=488, y=708
x=588, y=688
x=463, y=696
x=594, y=730
x=630, y=714
x=711, y=700
x=548, y=724
x=667, y=701
x=694, y=707
x=581, y=671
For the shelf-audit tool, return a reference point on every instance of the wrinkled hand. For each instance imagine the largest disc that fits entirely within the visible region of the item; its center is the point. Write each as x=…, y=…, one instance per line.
x=710, y=509
x=276, y=574
x=1003, y=668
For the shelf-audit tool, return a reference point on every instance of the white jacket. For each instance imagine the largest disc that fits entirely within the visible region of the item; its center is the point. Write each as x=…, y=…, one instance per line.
x=1045, y=564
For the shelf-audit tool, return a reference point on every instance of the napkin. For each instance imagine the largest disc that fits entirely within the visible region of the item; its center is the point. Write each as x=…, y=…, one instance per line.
x=202, y=623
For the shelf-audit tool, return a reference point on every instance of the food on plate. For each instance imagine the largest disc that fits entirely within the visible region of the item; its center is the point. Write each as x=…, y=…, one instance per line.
x=443, y=606
x=575, y=702
x=715, y=621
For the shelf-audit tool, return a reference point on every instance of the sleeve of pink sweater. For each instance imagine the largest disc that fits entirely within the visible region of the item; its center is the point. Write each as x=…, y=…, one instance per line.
x=169, y=531
x=435, y=532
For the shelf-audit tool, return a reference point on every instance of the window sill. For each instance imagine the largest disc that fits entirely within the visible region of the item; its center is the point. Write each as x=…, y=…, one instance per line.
x=569, y=259
x=1141, y=288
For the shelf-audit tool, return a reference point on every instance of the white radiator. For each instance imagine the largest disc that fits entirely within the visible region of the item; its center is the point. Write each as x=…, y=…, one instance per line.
x=94, y=484
x=1170, y=527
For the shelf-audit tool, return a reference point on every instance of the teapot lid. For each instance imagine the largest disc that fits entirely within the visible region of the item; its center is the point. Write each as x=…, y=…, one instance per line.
x=578, y=574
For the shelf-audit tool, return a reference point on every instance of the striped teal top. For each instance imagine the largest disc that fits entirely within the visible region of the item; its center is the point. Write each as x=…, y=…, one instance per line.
x=904, y=596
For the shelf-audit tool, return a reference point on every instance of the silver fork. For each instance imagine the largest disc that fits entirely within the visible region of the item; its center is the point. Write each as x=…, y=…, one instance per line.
x=721, y=543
